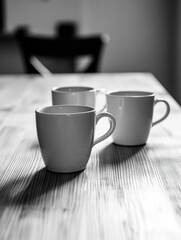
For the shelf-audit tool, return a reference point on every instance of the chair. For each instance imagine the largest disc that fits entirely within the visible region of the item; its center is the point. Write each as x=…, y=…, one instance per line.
x=66, y=29
x=62, y=55
x=11, y=60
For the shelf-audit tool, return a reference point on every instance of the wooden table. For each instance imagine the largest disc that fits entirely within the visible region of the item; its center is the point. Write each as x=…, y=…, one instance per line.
x=124, y=193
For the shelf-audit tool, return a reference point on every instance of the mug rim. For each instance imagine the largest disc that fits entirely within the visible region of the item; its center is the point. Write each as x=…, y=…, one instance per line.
x=85, y=109
x=79, y=89
x=129, y=94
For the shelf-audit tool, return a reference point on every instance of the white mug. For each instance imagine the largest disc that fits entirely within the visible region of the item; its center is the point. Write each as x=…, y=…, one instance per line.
x=77, y=95
x=133, y=111
x=66, y=135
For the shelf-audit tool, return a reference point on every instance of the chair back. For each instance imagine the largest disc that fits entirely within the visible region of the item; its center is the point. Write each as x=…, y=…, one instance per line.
x=63, y=55
x=11, y=60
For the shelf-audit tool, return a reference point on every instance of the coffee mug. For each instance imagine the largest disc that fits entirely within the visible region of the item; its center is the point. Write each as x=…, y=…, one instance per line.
x=133, y=111
x=77, y=95
x=66, y=135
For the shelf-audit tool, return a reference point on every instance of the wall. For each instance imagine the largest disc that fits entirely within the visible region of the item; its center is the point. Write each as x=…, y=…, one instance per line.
x=41, y=15
x=139, y=29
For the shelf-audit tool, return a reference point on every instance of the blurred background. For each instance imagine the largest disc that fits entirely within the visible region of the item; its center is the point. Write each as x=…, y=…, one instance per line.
x=145, y=35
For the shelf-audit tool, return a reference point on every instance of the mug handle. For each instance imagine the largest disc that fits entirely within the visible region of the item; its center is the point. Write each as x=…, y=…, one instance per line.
x=111, y=128
x=166, y=113
x=101, y=91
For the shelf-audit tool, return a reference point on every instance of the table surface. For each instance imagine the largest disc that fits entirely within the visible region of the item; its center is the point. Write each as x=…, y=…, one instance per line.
x=124, y=193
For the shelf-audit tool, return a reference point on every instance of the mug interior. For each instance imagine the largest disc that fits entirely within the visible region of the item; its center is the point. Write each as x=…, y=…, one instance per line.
x=71, y=89
x=130, y=94
x=64, y=109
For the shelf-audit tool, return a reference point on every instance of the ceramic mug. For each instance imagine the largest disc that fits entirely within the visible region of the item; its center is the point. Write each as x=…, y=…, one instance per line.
x=77, y=95
x=133, y=111
x=66, y=135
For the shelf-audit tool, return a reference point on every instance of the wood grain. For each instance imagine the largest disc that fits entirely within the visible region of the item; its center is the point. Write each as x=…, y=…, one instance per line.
x=124, y=193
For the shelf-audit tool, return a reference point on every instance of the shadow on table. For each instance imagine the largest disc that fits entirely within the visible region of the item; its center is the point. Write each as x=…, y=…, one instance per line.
x=34, y=190
x=114, y=155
